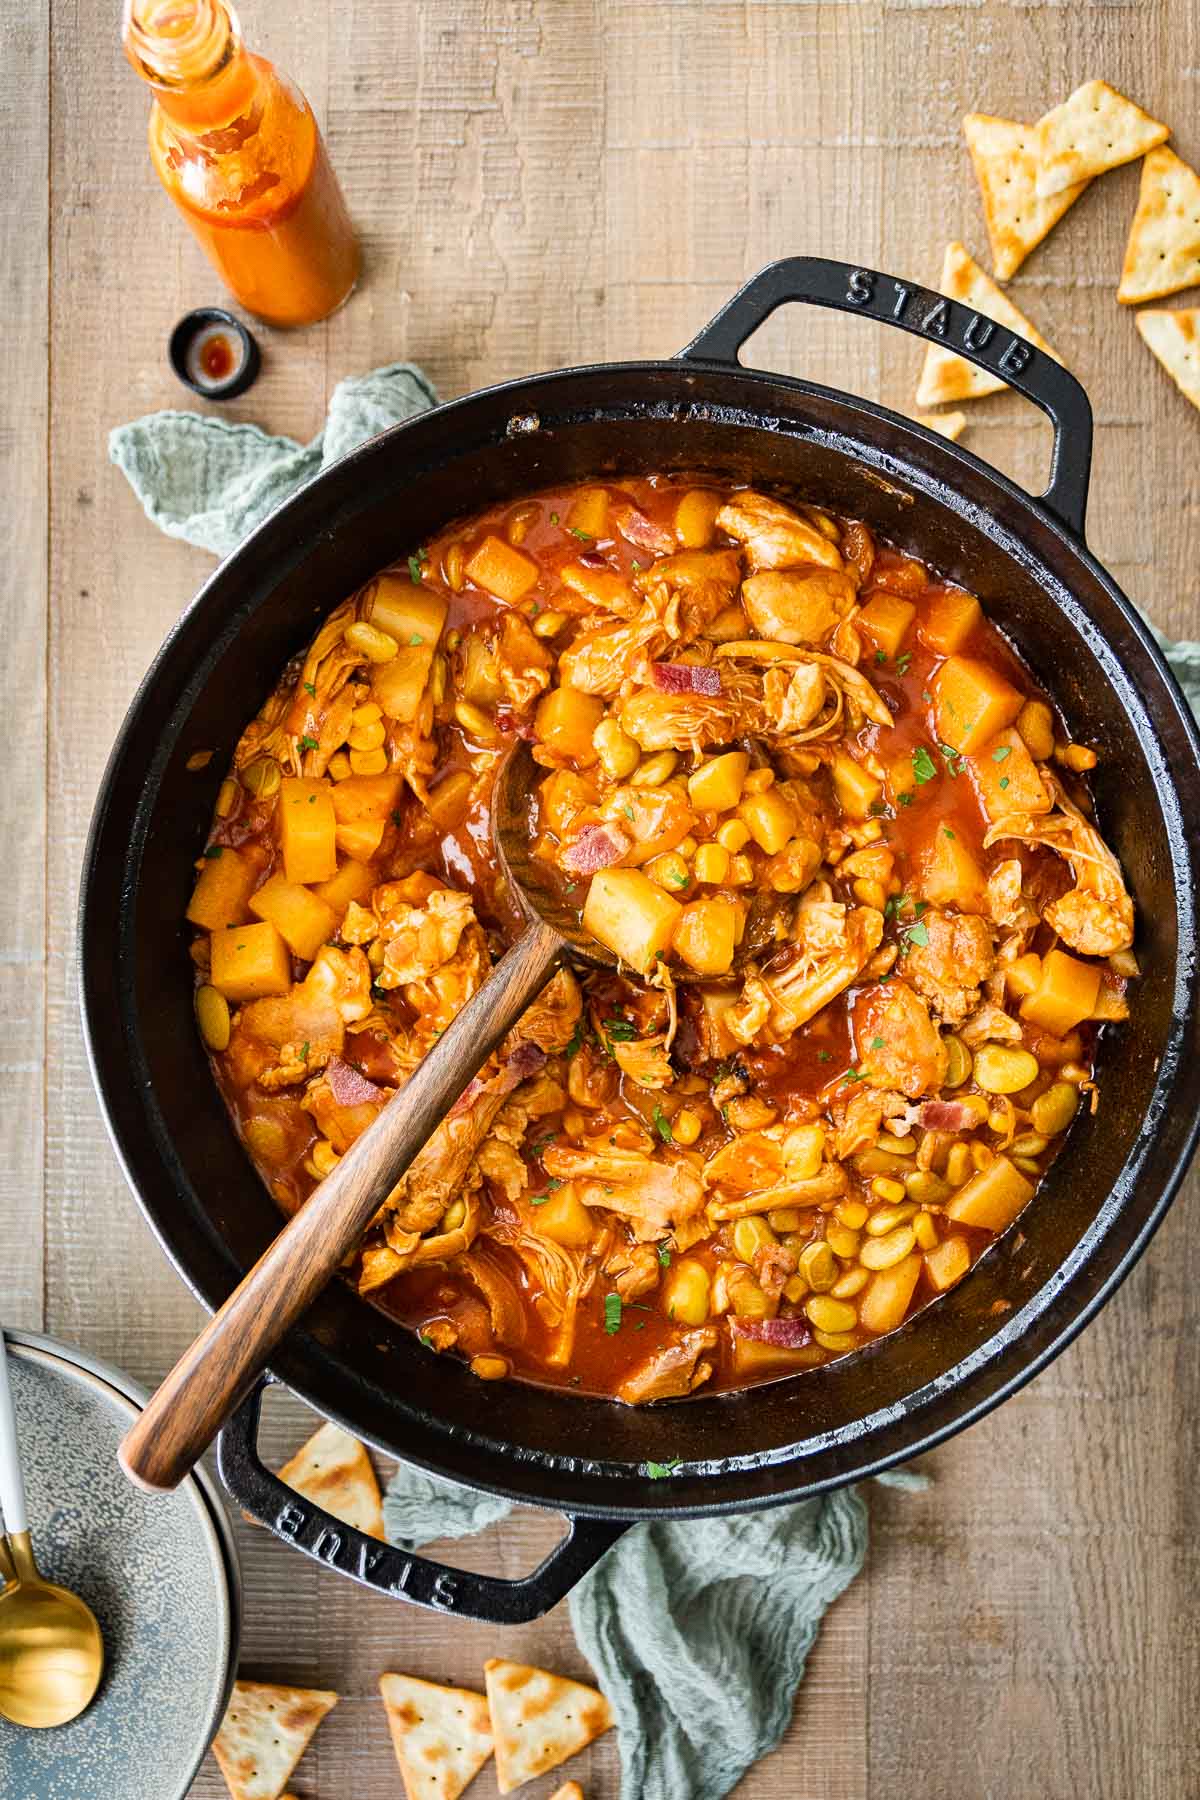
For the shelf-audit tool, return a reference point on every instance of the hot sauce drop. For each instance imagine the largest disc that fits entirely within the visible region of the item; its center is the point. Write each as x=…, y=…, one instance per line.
x=238, y=150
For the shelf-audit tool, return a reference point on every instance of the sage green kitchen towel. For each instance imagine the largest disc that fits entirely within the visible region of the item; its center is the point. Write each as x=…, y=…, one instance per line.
x=698, y=1631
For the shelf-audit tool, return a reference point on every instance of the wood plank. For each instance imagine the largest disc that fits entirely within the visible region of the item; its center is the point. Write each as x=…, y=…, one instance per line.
x=24, y=275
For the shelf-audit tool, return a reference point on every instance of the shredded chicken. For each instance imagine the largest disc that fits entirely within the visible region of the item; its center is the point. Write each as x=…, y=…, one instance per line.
x=797, y=607
x=1095, y=916
x=781, y=998
x=898, y=1044
x=775, y=537
x=953, y=963
x=667, y=1374
x=654, y=1193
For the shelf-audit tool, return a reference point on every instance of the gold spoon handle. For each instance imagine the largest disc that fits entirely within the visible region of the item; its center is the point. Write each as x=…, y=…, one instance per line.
x=183, y=1417
x=12, y=1487
x=8, y=1569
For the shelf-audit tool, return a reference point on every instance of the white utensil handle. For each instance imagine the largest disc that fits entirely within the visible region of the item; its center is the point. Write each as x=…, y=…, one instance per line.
x=12, y=1487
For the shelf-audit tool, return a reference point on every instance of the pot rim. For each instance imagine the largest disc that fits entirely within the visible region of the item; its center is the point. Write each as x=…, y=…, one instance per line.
x=1177, y=1078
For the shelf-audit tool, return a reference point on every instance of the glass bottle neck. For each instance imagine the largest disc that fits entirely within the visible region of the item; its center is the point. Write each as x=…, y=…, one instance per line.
x=191, y=53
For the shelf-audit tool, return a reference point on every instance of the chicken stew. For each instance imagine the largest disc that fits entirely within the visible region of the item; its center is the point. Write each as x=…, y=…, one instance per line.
x=841, y=846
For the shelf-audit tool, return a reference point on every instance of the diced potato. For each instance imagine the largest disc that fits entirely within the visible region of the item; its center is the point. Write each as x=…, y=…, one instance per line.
x=948, y=621
x=948, y=1262
x=222, y=891
x=398, y=685
x=250, y=962
x=407, y=610
x=768, y=818
x=885, y=619
x=367, y=797
x=716, y=1002
x=479, y=680
x=1065, y=995
x=449, y=800
x=686, y=1291
x=706, y=935
x=695, y=518
x=1006, y=777
x=972, y=702
x=754, y=1357
x=565, y=1219
x=589, y=512
x=604, y=589
x=308, y=828
x=992, y=1198
x=1024, y=974
x=855, y=788
x=950, y=874
x=303, y=921
x=886, y=1297
x=717, y=784
x=631, y=916
x=565, y=720
x=507, y=573
x=353, y=881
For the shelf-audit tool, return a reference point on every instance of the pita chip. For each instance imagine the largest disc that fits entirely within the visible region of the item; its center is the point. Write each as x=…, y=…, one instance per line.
x=442, y=1736
x=1174, y=338
x=539, y=1719
x=264, y=1733
x=948, y=424
x=334, y=1470
x=1006, y=168
x=1094, y=130
x=570, y=1790
x=1163, y=252
x=947, y=377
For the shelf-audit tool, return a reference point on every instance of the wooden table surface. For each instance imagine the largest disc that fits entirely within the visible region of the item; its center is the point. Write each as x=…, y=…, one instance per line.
x=541, y=182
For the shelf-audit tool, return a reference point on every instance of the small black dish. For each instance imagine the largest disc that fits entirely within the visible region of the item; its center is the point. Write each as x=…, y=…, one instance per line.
x=213, y=353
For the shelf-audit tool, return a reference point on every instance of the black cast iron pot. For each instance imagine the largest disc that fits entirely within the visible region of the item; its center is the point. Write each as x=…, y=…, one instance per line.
x=1096, y=1209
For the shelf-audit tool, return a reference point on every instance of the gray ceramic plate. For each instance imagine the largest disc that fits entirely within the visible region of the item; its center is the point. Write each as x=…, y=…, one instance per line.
x=159, y=1572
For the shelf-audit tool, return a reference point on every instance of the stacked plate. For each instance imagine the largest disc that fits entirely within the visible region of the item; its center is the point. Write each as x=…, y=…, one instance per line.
x=160, y=1572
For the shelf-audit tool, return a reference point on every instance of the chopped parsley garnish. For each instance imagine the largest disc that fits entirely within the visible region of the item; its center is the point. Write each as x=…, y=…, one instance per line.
x=824, y=1055
x=664, y=1256
x=917, y=933
x=662, y=1125
x=310, y=687
x=620, y=1030
x=1001, y=751
x=906, y=799
x=954, y=761
x=424, y=1338
x=415, y=639
x=576, y=1038
x=377, y=992
x=635, y=564
x=946, y=831
x=1004, y=781
x=415, y=574
x=396, y=818
x=304, y=1051
x=880, y=656
x=926, y=696
x=902, y=663
x=585, y=537
x=850, y=1076
x=678, y=881
x=212, y=851
x=877, y=1043
x=627, y=812
x=924, y=767
x=660, y=1471
x=612, y=1313
x=308, y=743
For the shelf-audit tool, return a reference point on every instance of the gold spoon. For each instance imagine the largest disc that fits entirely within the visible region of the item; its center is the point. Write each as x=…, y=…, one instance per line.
x=182, y=1418
x=51, y=1651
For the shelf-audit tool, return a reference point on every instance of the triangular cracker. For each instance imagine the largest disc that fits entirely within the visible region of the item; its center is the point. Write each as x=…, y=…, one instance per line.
x=946, y=376
x=442, y=1736
x=1006, y=169
x=1174, y=338
x=539, y=1719
x=334, y=1470
x=948, y=424
x=570, y=1790
x=264, y=1733
x=1163, y=252
x=1093, y=130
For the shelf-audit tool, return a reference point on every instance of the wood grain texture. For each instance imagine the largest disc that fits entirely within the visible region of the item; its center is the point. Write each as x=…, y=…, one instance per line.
x=542, y=182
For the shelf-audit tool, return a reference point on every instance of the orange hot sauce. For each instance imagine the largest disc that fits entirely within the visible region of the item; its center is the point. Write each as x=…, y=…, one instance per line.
x=238, y=150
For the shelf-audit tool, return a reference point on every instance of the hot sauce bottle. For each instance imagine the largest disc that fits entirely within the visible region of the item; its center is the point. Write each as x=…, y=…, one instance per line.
x=238, y=150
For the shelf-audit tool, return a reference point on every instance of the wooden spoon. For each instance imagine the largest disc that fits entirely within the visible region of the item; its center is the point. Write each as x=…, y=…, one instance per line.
x=215, y=1373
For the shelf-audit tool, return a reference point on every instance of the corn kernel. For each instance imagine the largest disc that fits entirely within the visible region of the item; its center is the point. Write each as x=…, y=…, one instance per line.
x=227, y=795
x=925, y=1231
x=741, y=872
x=887, y=1189
x=453, y=638
x=685, y=1126
x=369, y=641
x=339, y=766
x=369, y=762
x=817, y=1266
x=549, y=624
x=1079, y=758
x=830, y=1315
x=981, y=1154
x=958, y=1164
x=852, y=1213
x=711, y=863
x=490, y=1368
x=851, y=1283
x=655, y=769
x=758, y=781
x=733, y=836
x=670, y=871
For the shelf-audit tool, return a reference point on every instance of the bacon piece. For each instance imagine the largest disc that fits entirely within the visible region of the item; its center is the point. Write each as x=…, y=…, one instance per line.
x=946, y=1115
x=596, y=847
x=686, y=678
x=348, y=1086
x=785, y=1334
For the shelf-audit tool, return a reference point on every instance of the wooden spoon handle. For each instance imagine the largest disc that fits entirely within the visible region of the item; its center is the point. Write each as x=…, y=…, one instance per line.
x=184, y=1415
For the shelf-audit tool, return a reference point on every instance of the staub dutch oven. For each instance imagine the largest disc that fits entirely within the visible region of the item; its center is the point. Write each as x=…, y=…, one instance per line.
x=1090, y=1218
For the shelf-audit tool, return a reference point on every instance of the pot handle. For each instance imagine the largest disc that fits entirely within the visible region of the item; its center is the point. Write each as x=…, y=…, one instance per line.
x=816, y=281
x=387, y=1570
